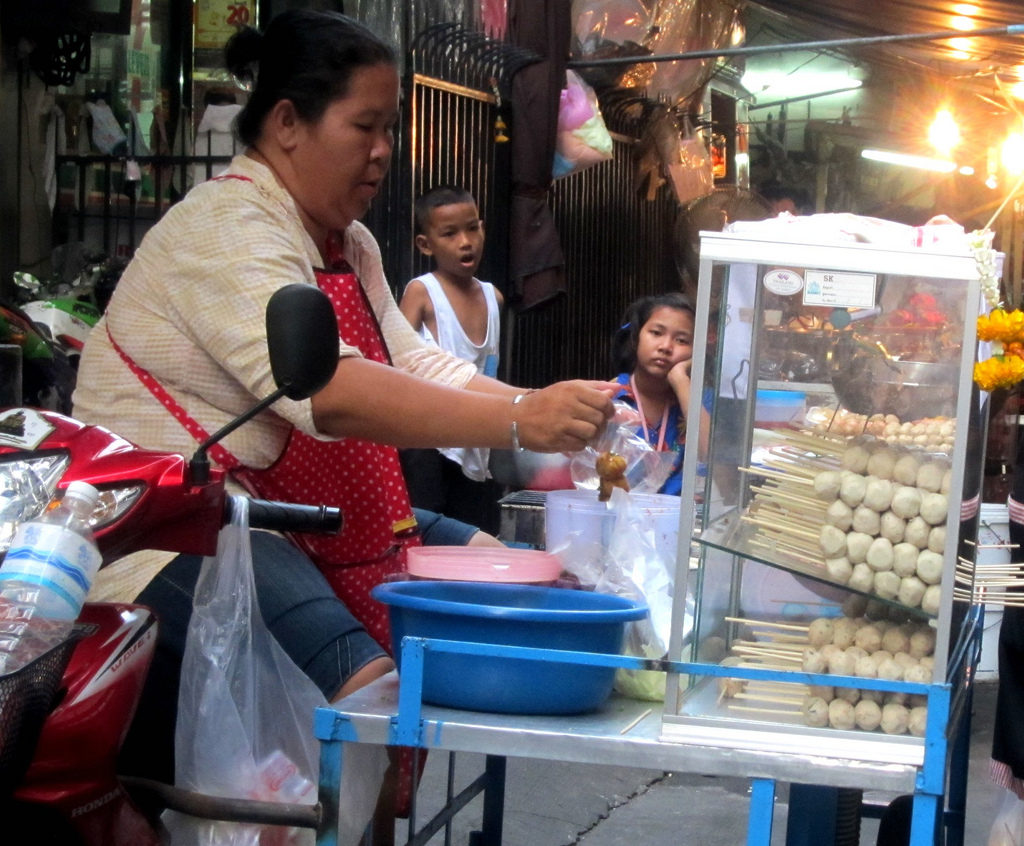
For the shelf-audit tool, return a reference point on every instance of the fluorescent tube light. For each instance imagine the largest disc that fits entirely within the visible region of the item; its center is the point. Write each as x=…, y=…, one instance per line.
x=908, y=160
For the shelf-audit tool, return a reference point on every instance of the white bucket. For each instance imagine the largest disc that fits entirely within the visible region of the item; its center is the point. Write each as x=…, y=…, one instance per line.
x=578, y=516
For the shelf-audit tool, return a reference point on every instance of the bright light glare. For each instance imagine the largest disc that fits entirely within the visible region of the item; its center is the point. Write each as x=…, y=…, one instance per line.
x=1012, y=155
x=968, y=9
x=992, y=182
x=944, y=134
x=963, y=24
x=1017, y=90
x=966, y=170
x=908, y=160
x=960, y=48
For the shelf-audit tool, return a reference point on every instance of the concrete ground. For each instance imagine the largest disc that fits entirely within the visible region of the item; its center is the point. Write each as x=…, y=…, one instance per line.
x=559, y=804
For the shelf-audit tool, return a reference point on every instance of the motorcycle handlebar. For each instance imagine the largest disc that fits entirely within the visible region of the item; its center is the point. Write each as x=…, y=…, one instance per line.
x=290, y=517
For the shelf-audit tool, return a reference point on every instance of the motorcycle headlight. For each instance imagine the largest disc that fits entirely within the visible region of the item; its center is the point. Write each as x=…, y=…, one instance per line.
x=27, y=484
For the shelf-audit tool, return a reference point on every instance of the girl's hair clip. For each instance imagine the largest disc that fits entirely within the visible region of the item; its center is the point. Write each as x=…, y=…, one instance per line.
x=625, y=325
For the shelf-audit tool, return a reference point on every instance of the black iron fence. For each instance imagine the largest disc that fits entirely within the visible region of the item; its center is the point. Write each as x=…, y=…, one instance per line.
x=618, y=244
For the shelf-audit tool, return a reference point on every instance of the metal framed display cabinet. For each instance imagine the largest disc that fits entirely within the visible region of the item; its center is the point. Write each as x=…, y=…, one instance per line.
x=841, y=501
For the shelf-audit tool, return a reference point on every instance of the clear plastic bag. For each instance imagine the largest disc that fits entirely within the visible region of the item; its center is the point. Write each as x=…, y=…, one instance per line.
x=635, y=559
x=646, y=468
x=1008, y=826
x=245, y=712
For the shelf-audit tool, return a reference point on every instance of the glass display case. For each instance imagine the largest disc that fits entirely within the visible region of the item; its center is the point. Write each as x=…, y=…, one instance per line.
x=840, y=500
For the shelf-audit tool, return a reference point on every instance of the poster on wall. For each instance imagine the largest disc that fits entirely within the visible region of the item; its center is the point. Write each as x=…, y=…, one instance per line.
x=217, y=20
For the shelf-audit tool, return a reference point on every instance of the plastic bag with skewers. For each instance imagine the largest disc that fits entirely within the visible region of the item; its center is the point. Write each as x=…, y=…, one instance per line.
x=645, y=469
x=630, y=562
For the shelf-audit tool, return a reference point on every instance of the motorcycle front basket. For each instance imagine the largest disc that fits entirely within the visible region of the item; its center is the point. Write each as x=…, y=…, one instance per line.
x=27, y=696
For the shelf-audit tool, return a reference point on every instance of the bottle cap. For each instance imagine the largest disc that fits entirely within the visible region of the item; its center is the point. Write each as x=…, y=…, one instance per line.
x=83, y=491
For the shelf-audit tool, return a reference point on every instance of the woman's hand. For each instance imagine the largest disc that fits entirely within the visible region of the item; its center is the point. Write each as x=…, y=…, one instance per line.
x=565, y=416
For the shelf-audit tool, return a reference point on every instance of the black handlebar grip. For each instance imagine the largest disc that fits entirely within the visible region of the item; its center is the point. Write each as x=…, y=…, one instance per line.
x=292, y=517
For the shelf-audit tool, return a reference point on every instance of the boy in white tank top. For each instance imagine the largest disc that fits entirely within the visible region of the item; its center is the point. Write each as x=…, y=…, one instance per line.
x=453, y=309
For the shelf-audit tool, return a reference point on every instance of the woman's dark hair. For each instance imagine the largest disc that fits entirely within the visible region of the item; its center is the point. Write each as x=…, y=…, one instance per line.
x=627, y=336
x=304, y=56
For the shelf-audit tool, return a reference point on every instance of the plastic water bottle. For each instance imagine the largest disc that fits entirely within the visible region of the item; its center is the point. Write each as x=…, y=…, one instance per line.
x=45, y=577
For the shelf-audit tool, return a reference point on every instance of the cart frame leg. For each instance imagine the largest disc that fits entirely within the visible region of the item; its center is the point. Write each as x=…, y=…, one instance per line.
x=762, y=809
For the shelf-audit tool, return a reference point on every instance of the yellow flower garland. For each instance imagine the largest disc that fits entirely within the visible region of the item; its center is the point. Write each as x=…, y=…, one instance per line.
x=1004, y=329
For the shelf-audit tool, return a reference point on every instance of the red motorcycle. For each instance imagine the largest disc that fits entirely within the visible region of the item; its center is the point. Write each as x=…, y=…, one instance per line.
x=64, y=788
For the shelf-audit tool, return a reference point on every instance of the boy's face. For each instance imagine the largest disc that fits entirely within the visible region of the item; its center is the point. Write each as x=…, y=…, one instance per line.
x=454, y=236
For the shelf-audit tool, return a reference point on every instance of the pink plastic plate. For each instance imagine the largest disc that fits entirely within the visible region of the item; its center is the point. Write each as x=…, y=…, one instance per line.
x=470, y=564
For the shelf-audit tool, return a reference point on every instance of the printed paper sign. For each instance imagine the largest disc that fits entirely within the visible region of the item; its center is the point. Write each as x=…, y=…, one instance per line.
x=839, y=290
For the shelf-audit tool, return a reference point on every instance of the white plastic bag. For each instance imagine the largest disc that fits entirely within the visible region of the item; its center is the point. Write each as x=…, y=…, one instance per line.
x=245, y=711
x=1008, y=826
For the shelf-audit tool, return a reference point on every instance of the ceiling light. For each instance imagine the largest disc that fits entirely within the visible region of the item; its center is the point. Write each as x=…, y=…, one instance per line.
x=1012, y=154
x=779, y=85
x=966, y=9
x=944, y=134
x=909, y=160
x=961, y=23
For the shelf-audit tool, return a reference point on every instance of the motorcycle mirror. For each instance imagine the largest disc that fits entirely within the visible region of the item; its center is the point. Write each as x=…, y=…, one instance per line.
x=302, y=342
x=302, y=339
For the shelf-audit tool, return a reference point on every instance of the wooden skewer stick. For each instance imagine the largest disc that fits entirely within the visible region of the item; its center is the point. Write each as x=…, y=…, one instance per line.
x=779, y=700
x=791, y=626
x=793, y=713
x=781, y=639
x=773, y=475
x=632, y=724
x=778, y=493
x=768, y=653
x=806, y=533
x=772, y=645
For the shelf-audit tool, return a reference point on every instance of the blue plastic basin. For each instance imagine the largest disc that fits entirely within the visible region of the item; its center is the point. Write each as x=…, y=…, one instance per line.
x=513, y=615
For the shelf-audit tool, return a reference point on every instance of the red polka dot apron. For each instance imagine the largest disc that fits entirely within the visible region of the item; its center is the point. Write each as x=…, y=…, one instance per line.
x=363, y=478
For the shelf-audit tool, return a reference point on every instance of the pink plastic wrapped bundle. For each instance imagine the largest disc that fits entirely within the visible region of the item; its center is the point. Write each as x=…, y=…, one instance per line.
x=583, y=139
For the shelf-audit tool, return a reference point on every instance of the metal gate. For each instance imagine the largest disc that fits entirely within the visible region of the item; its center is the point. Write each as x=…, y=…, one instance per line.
x=618, y=245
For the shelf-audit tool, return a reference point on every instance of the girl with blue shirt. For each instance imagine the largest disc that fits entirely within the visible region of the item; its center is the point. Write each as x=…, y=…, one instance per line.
x=653, y=352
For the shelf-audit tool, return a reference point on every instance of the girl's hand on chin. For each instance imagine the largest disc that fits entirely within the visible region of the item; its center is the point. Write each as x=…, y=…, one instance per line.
x=679, y=375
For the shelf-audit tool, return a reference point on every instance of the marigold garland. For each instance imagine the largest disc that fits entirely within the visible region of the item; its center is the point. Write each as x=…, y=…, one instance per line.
x=1003, y=329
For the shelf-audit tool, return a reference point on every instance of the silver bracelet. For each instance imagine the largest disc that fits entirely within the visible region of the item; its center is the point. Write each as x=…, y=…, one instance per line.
x=515, y=426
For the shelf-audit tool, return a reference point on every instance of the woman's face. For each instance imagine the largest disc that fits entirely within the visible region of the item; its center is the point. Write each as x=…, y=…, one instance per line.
x=340, y=161
x=665, y=340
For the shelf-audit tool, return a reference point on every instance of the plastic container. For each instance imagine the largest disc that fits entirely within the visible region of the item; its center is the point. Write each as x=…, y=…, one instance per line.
x=578, y=517
x=482, y=564
x=779, y=408
x=514, y=615
x=46, y=574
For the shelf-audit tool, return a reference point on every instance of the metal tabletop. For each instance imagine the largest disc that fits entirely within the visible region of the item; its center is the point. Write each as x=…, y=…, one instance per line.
x=623, y=732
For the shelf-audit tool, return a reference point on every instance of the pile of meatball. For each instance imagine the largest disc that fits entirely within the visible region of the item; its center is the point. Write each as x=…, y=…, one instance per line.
x=885, y=525
x=871, y=649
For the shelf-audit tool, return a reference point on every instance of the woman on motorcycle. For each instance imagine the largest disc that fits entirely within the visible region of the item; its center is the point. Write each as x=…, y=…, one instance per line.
x=182, y=350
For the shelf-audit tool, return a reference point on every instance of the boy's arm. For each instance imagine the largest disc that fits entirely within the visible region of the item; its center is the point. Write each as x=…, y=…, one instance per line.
x=415, y=304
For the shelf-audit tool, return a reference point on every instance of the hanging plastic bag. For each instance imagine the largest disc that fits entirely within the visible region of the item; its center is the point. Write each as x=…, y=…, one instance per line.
x=1008, y=826
x=245, y=712
x=646, y=468
x=689, y=166
x=107, y=135
x=583, y=139
x=635, y=559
